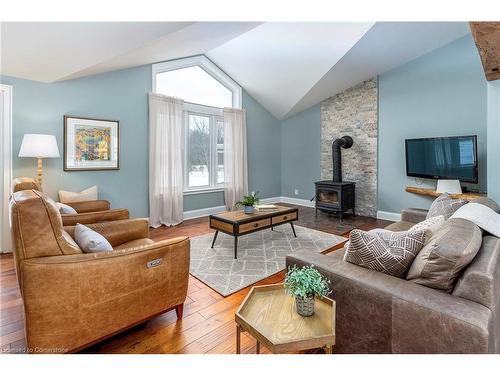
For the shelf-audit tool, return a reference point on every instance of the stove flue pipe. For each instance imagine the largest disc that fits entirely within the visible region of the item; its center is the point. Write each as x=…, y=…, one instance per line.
x=344, y=142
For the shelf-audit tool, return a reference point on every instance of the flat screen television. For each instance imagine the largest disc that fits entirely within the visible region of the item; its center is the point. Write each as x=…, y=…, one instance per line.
x=445, y=158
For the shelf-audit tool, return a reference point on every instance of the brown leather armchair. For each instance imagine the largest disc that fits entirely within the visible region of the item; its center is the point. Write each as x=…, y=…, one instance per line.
x=88, y=212
x=72, y=299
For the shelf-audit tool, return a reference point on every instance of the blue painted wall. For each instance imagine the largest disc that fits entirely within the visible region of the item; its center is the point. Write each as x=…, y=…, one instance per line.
x=494, y=140
x=263, y=149
x=122, y=95
x=300, y=153
x=442, y=93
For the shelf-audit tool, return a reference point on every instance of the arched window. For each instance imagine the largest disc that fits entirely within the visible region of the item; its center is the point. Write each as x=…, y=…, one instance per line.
x=206, y=90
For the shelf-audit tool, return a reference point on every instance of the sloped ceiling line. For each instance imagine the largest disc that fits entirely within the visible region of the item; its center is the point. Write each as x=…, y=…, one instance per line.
x=286, y=66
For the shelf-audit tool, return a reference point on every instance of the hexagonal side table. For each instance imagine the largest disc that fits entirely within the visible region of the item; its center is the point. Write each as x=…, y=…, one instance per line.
x=268, y=314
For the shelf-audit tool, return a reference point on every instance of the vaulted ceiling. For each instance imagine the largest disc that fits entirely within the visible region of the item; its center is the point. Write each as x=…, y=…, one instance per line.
x=287, y=67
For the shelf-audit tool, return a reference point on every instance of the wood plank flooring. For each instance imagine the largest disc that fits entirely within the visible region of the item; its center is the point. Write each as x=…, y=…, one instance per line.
x=208, y=323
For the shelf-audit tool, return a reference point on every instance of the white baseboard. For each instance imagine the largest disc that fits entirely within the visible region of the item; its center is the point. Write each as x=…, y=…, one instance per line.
x=385, y=215
x=193, y=214
x=270, y=200
x=297, y=201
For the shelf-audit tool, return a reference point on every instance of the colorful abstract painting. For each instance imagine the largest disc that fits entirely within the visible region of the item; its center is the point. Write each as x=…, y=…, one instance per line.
x=92, y=143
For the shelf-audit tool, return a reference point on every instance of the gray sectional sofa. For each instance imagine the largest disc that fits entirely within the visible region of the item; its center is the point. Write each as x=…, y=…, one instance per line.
x=378, y=313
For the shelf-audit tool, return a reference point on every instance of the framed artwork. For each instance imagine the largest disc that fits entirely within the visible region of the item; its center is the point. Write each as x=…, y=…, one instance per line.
x=91, y=144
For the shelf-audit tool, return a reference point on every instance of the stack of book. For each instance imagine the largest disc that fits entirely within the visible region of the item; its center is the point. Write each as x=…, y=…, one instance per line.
x=265, y=207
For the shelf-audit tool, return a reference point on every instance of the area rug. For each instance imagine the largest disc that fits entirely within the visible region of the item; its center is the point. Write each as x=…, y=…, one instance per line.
x=260, y=254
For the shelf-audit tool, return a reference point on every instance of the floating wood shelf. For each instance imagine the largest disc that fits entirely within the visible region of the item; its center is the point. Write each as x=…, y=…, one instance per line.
x=434, y=193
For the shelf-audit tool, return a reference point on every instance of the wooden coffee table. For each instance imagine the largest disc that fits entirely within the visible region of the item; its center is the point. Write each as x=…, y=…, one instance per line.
x=268, y=314
x=237, y=223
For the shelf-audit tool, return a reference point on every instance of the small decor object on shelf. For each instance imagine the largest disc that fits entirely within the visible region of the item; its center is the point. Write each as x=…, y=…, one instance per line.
x=90, y=144
x=248, y=202
x=266, y=207
x=306, y=283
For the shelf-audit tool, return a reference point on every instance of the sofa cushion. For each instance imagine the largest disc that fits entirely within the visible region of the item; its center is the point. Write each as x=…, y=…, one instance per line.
x=413, y=215
x=388, y=252
x=450, y=249
x=135, y=243
x=90, y=241
x=445, y=205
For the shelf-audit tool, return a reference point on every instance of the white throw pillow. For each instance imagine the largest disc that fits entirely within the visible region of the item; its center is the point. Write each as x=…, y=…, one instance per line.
x=90, y=241
x=65, y=209
x=481, y=215
x=89, y=194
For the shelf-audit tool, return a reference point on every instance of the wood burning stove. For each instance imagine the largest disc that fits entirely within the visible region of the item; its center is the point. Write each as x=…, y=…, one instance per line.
x=336, y=196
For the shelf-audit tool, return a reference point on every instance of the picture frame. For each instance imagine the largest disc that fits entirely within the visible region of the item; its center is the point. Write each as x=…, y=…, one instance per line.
x=91, y=144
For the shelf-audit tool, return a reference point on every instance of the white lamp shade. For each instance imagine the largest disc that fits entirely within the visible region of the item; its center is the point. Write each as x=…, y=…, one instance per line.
x=39, y=146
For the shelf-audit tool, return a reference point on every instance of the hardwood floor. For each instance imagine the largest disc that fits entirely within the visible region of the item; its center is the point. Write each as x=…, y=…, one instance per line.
x=208, y=323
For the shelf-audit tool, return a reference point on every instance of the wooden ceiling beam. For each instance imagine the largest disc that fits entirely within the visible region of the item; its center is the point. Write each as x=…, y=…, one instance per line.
x=487, y=38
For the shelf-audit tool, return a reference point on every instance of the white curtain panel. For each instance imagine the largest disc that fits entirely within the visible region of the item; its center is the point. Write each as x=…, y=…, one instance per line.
x=235, y=156
x=165, y=160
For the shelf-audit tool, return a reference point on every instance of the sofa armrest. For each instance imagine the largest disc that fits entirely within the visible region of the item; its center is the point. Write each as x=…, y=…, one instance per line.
x=413, y=215
x=95, y=217
x=380, y=313
x=118, y=232
x=73, y=300
x=90, y=206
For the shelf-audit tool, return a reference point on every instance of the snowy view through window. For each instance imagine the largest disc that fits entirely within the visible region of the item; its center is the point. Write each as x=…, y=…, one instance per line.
x=204, y=98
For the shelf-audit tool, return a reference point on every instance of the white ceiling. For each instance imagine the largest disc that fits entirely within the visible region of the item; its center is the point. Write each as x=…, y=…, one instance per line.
x=287, y=67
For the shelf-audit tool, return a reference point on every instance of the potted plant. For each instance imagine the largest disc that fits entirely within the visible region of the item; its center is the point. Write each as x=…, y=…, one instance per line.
x=305, y=283
x=248, y=202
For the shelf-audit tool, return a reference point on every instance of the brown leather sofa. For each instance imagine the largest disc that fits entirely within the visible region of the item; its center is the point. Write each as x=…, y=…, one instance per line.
x=88, y=212
x=378, y=313
x=72, y=299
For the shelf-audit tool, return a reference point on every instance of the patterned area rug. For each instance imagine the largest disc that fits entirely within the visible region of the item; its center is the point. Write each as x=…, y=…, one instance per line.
x=260, y=255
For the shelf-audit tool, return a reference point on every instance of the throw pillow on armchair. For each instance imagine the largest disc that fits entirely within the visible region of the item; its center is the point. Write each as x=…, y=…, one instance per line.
x=89, y=194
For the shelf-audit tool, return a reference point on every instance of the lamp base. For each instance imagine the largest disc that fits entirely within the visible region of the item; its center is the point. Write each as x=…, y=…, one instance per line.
x=39, y=177
x=449, y=186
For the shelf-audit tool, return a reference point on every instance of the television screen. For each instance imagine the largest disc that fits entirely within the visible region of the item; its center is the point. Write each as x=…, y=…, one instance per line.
x=443, y=158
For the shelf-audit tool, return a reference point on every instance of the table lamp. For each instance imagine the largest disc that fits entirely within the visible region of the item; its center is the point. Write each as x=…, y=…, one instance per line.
x=39, y=146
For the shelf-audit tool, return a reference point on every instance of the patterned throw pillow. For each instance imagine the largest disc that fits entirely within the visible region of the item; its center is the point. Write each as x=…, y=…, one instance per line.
x=445, y=205
x=430, y=225
x=388, y=252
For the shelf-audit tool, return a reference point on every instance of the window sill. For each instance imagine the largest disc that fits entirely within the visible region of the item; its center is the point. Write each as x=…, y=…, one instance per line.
x=203, y=191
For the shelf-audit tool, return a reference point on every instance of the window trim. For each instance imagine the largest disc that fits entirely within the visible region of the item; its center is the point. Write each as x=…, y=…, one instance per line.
x=213, y=114
x=208, y=66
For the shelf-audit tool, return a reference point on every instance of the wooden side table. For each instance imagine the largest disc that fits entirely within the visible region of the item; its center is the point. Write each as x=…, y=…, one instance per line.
x=268, y=314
